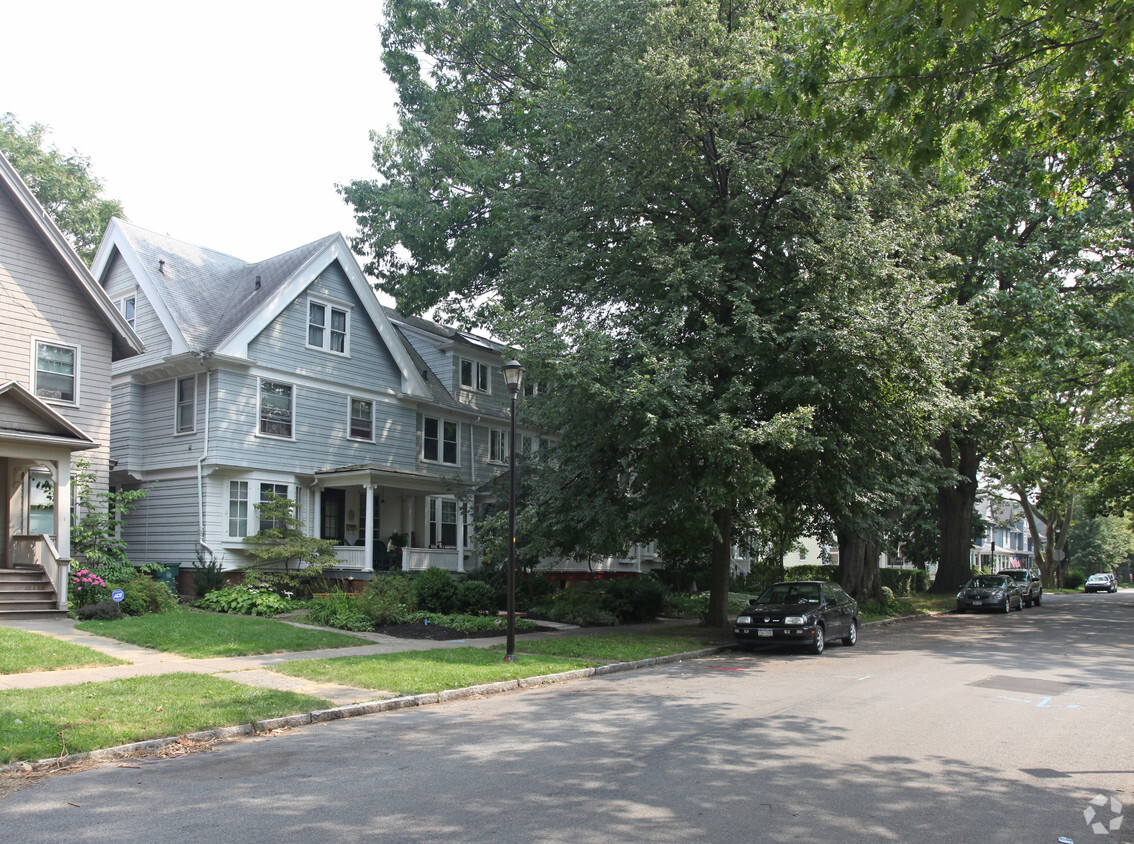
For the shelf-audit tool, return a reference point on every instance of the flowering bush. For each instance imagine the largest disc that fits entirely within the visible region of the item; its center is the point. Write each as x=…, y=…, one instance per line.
x=87, y=588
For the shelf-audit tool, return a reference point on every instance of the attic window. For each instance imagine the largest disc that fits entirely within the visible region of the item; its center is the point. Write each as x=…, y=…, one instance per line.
x=327, y=327
x=56, y=370
x=476, y=376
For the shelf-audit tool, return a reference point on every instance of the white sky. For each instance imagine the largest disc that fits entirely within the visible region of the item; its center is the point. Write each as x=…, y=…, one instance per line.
x=223, y=124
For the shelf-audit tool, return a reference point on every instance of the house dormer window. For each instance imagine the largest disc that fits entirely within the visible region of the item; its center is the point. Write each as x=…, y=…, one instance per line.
x=57, y=372
x=476, y=376
x=327, y=327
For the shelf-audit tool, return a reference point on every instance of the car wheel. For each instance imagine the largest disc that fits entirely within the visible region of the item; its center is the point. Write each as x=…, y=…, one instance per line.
x=1039, y=597
x=819, y=641
x=1007, y=608
x=852, y=635
x=1028, y=602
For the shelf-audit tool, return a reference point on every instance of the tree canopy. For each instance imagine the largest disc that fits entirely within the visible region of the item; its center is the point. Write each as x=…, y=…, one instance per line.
x=704, y=297
x=62, y=182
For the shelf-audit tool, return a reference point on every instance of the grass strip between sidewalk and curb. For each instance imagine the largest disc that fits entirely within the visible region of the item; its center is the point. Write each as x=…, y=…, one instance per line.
x=17, y=746
x=204, y=635
x=61, y=720
x=22, y=651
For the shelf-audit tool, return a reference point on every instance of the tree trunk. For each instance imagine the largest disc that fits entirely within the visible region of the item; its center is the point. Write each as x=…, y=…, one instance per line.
x=721, y=568
x=858, y=567
x=955, y=513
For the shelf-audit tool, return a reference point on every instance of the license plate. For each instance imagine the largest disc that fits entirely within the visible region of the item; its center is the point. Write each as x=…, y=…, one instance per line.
x=763, y=632
x=977, y=603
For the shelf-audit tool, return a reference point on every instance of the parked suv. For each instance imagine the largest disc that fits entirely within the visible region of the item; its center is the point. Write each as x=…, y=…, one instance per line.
x=1030, y=585
x=1101, y=583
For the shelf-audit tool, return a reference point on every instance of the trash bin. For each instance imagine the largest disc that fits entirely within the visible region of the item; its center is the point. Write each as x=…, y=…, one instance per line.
x=168, y=575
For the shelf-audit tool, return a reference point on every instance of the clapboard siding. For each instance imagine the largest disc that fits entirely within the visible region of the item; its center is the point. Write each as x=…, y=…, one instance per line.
x=119, y=282
x=41, y=302
x=163, y=527
x=284, y=343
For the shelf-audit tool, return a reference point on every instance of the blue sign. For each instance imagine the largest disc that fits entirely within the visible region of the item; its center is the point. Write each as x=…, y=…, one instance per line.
x=117, y=595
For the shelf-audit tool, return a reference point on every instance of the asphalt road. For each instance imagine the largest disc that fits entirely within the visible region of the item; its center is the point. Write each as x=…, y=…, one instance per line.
x=958, y=729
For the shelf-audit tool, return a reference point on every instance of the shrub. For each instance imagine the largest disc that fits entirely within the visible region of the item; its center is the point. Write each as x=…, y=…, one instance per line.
x=1074, y=579
x=87, y=588
x=144, y=594
x=634, y=600
x=102, y=610
x=473, y=623
x=888, y=595
x=435, y=591
x=340, y=610
x=388, y=598
x=579, y=606
x=905, y=581
x=245, y=600
x=475, y=597
x=208, y=576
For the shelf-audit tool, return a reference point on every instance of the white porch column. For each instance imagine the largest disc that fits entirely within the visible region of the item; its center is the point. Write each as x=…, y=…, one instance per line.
x=317, y=516
x=63, y=507
x=368, y=544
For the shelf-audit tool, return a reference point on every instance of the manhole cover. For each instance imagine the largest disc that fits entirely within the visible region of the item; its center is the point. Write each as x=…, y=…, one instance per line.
x=1035, y=685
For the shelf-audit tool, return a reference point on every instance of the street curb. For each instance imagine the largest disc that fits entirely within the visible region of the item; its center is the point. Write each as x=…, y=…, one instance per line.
x=352, y=710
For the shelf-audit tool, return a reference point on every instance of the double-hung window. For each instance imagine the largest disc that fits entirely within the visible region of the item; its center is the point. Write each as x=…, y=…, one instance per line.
x=277, y=409
x=439, y=441
x=267, y=493
x=128, y=308
x=497, y=446
x=186, y=405
x=327, y=327
x=442, y=522
x=476, y=376
x=361, y=420
x=56, y=372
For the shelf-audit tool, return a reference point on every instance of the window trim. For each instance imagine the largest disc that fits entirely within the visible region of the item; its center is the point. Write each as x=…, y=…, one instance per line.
x=498, y=446
x=260, y=432
x=177, y=404
x=441, y=440
x=369, y=438
x=132, y=298
x=76, y=366
x=476, y=369
x=329, y=306
x=238, y=500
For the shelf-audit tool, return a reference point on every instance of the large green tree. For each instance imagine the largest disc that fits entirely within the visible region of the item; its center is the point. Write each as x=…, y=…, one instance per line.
x=62, y=182
x=704, y=295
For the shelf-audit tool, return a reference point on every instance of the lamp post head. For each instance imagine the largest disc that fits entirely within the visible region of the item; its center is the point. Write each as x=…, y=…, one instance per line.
x=513, y=372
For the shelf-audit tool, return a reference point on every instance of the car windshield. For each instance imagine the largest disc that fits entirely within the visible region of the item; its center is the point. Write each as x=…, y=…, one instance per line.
x=986, y=582
x=790, y=593
x=1018, y=575
x=1100, y=577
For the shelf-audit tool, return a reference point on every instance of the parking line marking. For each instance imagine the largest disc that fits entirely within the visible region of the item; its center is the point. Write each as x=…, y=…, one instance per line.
x=1043, y=704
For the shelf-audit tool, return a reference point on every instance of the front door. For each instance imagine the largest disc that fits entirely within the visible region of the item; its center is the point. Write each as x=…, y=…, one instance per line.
x=331, y=518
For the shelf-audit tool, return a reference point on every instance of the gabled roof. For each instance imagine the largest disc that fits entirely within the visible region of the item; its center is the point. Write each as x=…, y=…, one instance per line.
x=26, y=418
x=125, y=341
x=213, y=303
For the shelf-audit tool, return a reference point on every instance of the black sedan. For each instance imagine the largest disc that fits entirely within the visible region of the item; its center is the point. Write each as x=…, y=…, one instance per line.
x=997, y=592
x=802, y=612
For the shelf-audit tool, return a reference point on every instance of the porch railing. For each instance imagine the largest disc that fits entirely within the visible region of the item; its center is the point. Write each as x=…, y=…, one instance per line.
x=419, y=559
x=38, y=551
x=351, y=557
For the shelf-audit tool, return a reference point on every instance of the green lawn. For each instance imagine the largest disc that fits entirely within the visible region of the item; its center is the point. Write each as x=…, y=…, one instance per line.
x=614, y=647
x=200, y=635
x=421, y=672
x=22, y=651
x=43, y=723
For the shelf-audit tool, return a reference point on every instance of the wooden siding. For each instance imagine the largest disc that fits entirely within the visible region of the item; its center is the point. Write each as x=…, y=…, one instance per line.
x=283, y=345
x=118, y=282
x=41, y=300
x=162, y=528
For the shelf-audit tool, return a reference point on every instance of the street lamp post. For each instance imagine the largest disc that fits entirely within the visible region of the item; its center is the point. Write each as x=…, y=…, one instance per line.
x=513, y=373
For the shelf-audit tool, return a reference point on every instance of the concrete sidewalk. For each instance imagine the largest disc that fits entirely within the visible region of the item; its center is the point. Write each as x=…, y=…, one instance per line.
x=250, y=670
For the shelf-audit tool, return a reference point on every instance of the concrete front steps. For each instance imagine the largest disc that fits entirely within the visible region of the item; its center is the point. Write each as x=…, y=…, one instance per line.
x=27, y=593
